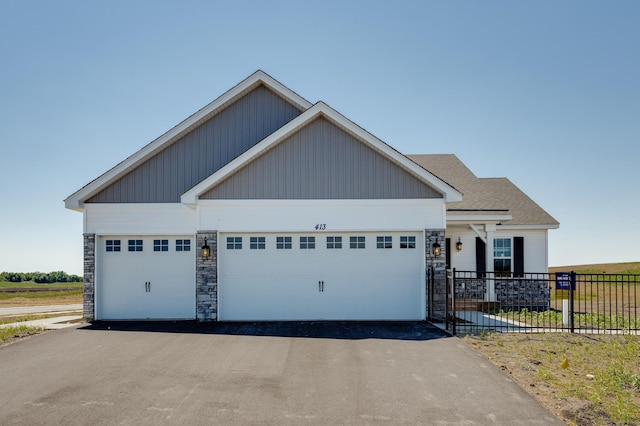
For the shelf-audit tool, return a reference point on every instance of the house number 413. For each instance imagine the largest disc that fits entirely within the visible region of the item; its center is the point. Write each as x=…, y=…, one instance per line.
x=321, y=227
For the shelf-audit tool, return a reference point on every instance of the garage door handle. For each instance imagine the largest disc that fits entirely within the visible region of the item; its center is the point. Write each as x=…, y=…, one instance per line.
x=321, y=286
x=147, y=287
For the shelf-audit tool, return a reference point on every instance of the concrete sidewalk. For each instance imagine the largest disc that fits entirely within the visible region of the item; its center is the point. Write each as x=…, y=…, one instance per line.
x=40, y=309
x=54, y=323
x=63, y=320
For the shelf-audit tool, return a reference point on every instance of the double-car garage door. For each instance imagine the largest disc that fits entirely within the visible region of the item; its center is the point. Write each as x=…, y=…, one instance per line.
x=337, y=276
x=266, y=276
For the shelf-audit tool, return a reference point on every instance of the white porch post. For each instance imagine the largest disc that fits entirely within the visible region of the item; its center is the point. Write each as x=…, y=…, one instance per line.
x=490, y=295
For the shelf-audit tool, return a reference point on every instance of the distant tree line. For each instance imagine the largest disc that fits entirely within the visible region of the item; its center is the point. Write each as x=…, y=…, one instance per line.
x=40, y=277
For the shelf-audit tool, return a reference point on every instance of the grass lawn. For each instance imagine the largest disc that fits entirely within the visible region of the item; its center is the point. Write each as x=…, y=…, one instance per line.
x=10, y=334
x=598, y=385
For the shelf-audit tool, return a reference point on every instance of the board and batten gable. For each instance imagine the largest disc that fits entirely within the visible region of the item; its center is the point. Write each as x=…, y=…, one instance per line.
x=321, y=161
x=202, y=151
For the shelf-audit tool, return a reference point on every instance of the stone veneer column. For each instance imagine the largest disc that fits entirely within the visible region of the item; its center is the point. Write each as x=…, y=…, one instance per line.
x=89, y=287
x=207, y=277
x=439, y=265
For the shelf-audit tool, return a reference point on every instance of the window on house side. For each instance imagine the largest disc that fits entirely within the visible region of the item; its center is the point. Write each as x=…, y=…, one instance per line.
x=334, y=242
x=257, y=243
x=234, y=243
x=502, y=257
x=383, y=242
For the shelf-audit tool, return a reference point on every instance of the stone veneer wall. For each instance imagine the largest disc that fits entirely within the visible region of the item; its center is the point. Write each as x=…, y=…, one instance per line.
x=437, y=273
x=512, y=293
x=89, y=287
x=207, y=277
x=517, y=294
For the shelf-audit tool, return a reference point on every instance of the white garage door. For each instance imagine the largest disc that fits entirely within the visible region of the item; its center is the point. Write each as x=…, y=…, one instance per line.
x=145, y=277
x=341, y=276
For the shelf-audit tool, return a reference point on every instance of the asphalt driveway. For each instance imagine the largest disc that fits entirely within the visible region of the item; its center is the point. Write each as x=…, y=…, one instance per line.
x=325, y=373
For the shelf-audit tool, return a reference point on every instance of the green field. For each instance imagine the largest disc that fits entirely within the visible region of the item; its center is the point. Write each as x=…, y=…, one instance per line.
x=31, y=284
x=48, y=294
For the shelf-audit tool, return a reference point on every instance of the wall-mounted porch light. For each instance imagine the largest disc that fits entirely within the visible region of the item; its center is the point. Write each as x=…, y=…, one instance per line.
x=436, y=248
x=459, y=245
x=206, y=250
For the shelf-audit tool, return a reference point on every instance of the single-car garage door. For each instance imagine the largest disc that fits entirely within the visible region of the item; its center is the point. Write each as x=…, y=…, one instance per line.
x=145, y=277
x=338, y=276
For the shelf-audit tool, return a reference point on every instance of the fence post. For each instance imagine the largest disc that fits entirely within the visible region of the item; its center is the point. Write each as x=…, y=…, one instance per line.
x=571, y=294
x=453, y=301
x=430, y=292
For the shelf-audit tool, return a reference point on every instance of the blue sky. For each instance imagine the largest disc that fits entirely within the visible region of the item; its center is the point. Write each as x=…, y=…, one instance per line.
x=545, y=93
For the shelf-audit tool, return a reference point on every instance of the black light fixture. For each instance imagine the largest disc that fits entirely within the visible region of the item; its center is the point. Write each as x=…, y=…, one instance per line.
x=436, y=248
x=459, y=245
x=206, y=250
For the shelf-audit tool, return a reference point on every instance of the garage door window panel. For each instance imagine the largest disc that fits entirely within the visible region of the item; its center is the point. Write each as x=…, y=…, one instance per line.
x=357, y=242
x=283, y=243
x=384, y=242
x=113, y=245
x=257, y=243
x=135, y=245
x=160, y=245
x=307, y=243
x=407, y=242
x=183, y=245
x=334, y=242
x=234, y=243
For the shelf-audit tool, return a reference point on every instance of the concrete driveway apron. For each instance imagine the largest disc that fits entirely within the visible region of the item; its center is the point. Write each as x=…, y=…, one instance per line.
x=325, y=373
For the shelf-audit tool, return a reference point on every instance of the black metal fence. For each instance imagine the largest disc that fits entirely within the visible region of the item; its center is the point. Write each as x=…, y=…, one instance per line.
x=478, y=302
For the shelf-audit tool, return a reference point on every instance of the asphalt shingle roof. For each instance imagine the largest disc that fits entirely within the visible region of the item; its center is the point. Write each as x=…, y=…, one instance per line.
x=483, y=195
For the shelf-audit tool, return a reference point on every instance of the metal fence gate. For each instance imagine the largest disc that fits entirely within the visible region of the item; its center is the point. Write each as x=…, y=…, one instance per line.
x=477, y=302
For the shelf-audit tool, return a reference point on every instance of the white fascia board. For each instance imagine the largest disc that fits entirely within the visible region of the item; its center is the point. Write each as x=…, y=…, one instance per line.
x=76, y=200
x=529, y=226
x=471, y=219
x=320, y=109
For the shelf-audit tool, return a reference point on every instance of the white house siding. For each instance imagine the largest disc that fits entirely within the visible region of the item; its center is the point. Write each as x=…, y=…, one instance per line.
x=464, y=260
x=535, y=247
x=139, y=219
x=336, y=215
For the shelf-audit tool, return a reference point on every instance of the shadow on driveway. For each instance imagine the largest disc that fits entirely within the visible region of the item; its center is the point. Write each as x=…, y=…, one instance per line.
x=352, y=330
